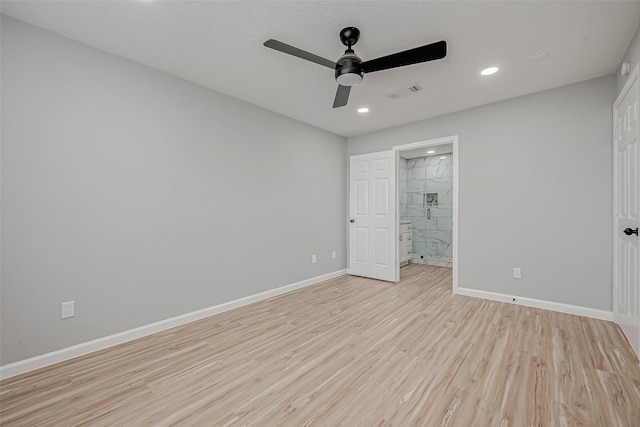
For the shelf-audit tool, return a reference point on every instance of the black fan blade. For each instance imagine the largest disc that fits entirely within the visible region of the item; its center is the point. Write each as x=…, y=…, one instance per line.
x=430, y=52
x=342, y=96
x=283, y=47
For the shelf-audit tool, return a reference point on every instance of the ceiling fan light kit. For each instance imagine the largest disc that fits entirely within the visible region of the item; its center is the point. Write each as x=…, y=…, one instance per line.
x=349, y=68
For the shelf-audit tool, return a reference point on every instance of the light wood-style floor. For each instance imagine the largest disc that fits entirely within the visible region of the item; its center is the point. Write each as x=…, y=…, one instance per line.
x=352, y=352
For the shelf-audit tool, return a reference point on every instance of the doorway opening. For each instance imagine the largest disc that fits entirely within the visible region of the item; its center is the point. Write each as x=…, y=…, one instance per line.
x=427, y=203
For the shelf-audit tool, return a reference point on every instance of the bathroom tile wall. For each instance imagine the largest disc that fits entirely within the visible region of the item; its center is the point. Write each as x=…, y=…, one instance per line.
x=432, y=225
x=403, y=187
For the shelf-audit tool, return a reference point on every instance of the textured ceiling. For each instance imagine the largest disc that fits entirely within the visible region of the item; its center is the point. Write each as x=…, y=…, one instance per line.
x=218, y=44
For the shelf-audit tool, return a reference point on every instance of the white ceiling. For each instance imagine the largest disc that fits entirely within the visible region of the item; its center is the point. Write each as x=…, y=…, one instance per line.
x=218, y=44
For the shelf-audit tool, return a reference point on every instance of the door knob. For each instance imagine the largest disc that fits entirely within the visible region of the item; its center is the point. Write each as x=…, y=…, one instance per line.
x=629, y=231
x=352, y=221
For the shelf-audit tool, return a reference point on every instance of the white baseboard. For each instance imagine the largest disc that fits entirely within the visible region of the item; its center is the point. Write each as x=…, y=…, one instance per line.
x=47, y=359
x=536, y=303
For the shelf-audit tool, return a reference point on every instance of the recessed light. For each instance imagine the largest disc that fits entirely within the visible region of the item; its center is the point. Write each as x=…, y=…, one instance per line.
x=443, y=157
x=363, y=110
x=431, y=151
x=489, y=71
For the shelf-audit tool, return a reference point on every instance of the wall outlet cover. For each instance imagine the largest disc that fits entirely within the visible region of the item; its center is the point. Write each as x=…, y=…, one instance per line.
x=68, y=310
x=517, y=273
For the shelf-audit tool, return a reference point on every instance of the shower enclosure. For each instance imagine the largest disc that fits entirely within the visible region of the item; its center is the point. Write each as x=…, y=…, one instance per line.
x=426, y=199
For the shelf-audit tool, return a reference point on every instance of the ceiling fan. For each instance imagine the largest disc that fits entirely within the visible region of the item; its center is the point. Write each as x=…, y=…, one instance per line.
x=349, y=68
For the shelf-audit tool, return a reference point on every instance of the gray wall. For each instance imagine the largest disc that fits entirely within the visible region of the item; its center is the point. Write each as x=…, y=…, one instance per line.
x=535, y=191
x=141, y=196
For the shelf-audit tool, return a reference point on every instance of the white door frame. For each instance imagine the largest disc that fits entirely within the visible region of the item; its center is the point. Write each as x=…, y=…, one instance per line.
x=430, y=143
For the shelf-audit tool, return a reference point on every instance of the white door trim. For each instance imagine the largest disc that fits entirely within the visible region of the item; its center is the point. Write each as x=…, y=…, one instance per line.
x=430, y=143
x=627, y=86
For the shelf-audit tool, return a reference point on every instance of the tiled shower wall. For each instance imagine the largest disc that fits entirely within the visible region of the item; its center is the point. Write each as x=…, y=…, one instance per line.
x=431, y=237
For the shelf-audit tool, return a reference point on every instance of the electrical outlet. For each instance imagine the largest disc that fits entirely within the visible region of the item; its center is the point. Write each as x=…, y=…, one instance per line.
x=314, y=259
x=333, y=254
x=68, y=309
x=517, y=273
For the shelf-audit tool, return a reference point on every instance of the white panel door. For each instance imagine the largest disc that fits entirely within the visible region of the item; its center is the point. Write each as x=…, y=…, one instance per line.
x=626, y=298
x=372, y=237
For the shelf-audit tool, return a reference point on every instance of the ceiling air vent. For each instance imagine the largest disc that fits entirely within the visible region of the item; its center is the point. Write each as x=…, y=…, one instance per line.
x=539, y=56
x=404, y=91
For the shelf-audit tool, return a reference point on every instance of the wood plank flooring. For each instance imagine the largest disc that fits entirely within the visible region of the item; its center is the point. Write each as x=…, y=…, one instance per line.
x=349, y=352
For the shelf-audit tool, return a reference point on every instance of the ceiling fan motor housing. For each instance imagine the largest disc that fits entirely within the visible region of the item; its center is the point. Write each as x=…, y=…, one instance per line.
x=348, y=69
